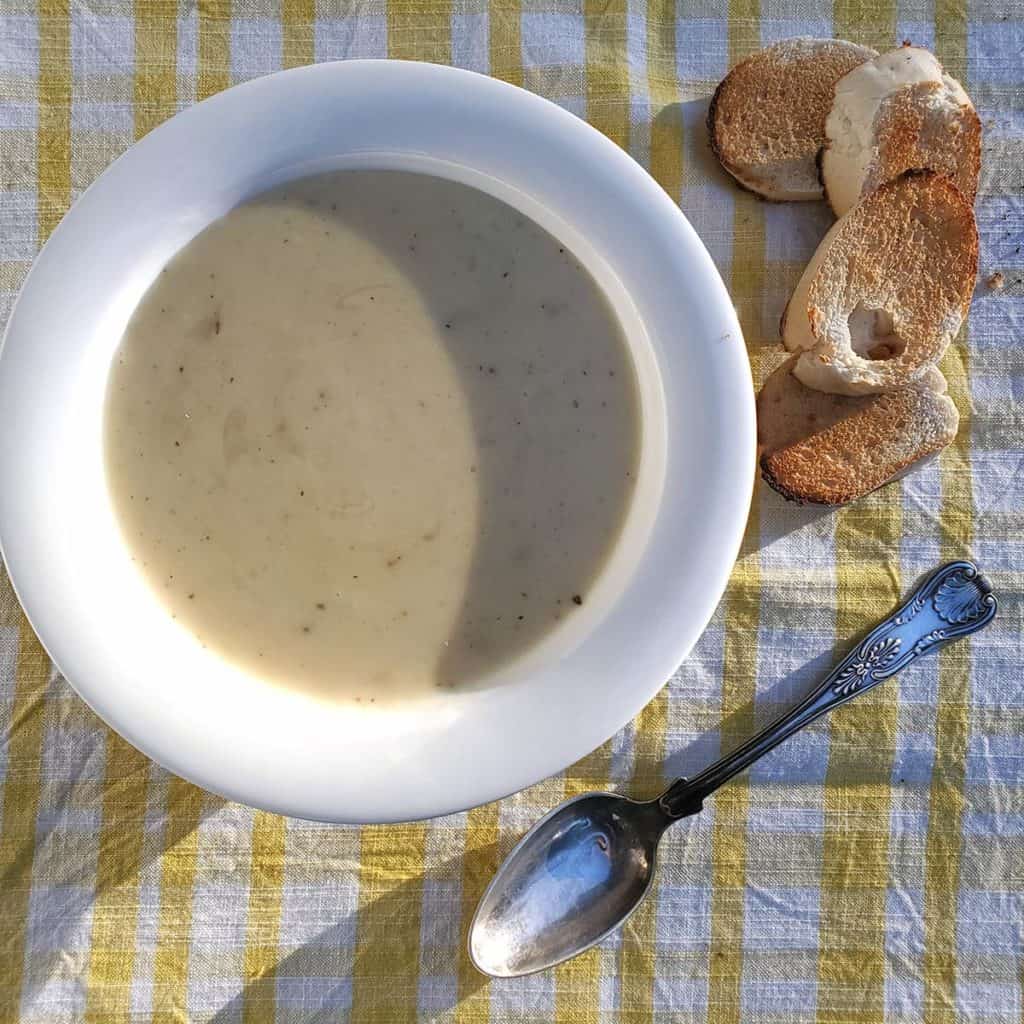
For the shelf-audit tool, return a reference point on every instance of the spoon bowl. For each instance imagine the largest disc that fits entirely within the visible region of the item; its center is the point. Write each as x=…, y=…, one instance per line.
x=587, y=863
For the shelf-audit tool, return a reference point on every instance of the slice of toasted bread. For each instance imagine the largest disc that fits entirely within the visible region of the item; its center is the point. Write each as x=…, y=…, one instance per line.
x=896, y=113
x=767, y=117
x=832, y=449
x=887, y=289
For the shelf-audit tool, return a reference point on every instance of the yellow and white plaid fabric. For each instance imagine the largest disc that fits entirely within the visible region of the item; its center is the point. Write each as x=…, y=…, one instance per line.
x=872, y=870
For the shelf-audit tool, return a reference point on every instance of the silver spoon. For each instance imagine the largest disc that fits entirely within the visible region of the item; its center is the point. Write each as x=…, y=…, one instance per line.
x=586, y=866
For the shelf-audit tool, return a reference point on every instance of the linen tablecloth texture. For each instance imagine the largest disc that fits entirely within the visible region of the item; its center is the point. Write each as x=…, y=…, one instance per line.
x=870, y=870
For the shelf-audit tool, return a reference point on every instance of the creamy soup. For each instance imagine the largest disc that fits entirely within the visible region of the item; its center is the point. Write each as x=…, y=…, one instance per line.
x=372, y=433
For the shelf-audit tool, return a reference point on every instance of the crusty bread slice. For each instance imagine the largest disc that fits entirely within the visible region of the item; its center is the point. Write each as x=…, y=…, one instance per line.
x=832, y=449
x=896, y=113
x=887, y=289
x=767, y=117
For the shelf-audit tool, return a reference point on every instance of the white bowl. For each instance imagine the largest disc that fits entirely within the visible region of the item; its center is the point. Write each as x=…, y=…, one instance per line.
x=274, y=748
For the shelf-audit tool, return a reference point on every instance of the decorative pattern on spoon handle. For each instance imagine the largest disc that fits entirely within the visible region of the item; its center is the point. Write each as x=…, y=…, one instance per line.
x=954, y=601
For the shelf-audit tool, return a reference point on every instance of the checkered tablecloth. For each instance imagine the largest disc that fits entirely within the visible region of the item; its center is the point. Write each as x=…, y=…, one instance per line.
x=870, y=870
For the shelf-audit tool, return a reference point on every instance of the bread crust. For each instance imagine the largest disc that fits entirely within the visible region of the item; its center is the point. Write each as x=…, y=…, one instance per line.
x=766, y=120
x=895, y=113
x=821, y=449
x=909, y=251
x=906, y=130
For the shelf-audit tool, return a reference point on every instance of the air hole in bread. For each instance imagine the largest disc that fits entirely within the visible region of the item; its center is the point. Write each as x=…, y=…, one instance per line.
x=873, y=334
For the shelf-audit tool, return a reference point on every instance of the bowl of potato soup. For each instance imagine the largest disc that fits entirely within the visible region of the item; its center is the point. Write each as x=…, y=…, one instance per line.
x=377, y=438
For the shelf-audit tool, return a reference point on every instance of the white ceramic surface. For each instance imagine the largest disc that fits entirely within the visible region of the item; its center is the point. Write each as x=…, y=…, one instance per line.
x=274, y=748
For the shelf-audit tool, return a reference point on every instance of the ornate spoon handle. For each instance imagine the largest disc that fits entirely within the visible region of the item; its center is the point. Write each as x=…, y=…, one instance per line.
x=954, y=601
